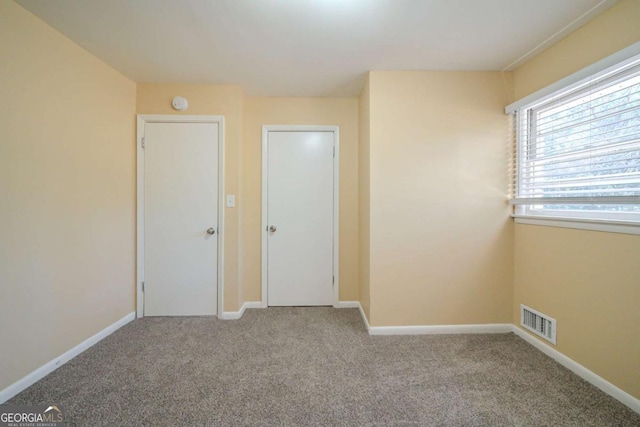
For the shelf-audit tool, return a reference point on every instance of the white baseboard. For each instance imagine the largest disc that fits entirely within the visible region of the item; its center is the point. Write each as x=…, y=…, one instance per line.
x=581, y=371
x=364, y=318
x=54, y=364
x=604, y=385
x=354, y=304
x=347, y=304
x=491, y=328
x=584, y=373
x=234, y=315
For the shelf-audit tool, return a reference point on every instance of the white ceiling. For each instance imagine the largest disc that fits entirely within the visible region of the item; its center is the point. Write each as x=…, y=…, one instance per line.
x=309, y=47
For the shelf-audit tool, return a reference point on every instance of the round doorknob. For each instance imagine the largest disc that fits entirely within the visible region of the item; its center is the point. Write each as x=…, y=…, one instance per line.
x=272, y=229
x=211, y=230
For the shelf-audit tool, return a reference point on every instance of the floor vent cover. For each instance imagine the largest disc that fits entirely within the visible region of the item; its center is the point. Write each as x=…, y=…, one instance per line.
x=538, y=323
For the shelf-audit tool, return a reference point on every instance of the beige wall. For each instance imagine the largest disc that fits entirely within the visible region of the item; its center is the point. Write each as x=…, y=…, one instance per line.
x=363, y=199
x=609, y=32
x=208, y=99
x=588, y=280
x=67, y=182
x=244, y=118
x=425, y=234
x=260, y=111
x=441, y=237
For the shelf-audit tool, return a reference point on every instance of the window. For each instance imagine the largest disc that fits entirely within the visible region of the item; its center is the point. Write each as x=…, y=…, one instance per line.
x=578, y=150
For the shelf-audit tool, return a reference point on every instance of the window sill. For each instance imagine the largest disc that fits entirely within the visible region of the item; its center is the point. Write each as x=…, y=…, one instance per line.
x=609, y=226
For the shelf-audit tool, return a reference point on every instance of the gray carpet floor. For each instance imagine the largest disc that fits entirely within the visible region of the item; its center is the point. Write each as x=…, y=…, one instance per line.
x=316, y=366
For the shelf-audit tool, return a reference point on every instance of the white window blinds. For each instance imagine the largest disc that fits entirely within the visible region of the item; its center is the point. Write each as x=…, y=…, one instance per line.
x=578, y=150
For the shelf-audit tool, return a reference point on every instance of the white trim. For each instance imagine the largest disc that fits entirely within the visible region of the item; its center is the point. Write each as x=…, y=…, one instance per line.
x=562, y=33
x=356, y=304
x=490, y=328
x=584, y=373
x=576, y=78
x=606, y=200
x=581, y=371
x=336, y=201
x=347, y=304
x=336, y=215
x=364, y=318
x=581, y=224
x=139, y=217
x=264, y=269
x=234, y=315
x=168, y=118
x=54, y=364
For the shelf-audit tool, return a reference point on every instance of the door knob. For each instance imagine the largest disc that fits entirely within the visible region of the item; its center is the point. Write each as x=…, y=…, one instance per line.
x=211, y=230
x=272, y=229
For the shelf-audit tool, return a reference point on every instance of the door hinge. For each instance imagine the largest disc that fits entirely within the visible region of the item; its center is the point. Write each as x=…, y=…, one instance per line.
x=142, y=286
x=143, y=142
x=334, y=151
x=333, y=280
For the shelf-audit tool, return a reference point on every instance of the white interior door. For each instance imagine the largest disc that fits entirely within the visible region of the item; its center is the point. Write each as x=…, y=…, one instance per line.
x=180, y=219
x=300, y=186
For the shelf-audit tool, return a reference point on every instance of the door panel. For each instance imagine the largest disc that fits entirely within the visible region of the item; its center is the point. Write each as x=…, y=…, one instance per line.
x=180, y=204
x=300, y=207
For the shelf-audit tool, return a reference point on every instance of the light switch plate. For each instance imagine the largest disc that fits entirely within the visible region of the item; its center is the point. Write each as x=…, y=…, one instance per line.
x=231, y=201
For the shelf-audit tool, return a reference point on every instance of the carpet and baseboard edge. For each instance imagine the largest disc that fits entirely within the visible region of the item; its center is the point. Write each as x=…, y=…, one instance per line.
x=584, y=373
x=632, y=402
x=591, y=377
x=234, y=315
x=54, y=364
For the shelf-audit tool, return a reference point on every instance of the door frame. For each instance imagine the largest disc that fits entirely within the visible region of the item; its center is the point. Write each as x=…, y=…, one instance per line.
x=336, y=200
x=142, y=120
